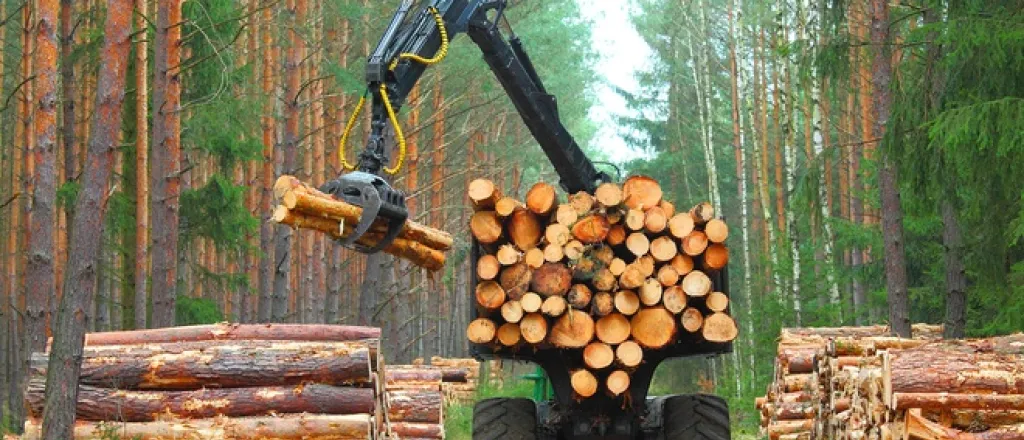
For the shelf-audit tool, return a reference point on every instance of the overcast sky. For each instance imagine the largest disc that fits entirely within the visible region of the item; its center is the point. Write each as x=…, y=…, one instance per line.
x=623, y=52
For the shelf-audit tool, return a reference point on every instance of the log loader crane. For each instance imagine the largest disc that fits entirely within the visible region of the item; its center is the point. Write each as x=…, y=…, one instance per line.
x=418, y=36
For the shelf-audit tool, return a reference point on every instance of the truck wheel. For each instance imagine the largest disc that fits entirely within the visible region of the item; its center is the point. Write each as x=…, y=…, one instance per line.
x=505, y=419
x=696, y=417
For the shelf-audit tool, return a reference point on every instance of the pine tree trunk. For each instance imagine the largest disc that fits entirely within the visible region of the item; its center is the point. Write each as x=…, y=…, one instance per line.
x=266, y=270
x=67, y=73
x=334, y=282
x=761, y=168
x=166, y=177
x=141, y=165
x=892, y=212
x=40, y=276
x=956, y=278
x=64, y=366
x=8, y=194
x=318, y=128
x=283, y=236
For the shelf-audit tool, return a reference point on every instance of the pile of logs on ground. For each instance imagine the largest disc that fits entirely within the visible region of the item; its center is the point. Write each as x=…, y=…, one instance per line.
x=304, y=207
x=456, y=392
x=415, y=399
x=609, y=274
x=860, y=383
x=226, y=381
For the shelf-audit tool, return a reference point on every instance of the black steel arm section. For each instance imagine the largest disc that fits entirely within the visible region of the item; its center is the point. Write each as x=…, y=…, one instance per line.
x=413, y=30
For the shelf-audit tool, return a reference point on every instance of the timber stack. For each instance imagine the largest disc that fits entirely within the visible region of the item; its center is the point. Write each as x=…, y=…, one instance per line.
x=226, y=381
x=415, y=400
x=610, y=275
x=861, y=383
x=303, y=207
x=464, y=392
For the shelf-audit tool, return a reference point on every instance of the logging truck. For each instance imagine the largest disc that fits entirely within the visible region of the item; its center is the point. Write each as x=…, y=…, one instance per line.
x=418, y=36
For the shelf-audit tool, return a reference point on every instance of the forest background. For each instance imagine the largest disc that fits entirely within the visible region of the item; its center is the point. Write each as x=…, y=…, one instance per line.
x=869, y=157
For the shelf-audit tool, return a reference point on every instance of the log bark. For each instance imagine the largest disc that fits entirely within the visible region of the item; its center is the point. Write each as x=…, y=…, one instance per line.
x=574, y=329
x=534, y=328
x=626, y=302
x=653, y=327
x=918, y=427
x=541, y=198
x=112, y=405
x=295, y=195
x=793, y=410
x=719, y=327
x=598, y=355
x=591, y=229
x=929, y=370
x=515, y=280
x=780, y=428
x=617, y=382
x=552, y=279
x=413, y=406
x=583, y=383
x=942, y=401
x=235, y=332
x=524, y=229
x=481, y=331
x=418, y=430
x=797, y=360
x=298, y=426
x=608, y=195
x=417, y=253
x=484, y=194
x=612, y=329
x=641, y=192
x=629, y=354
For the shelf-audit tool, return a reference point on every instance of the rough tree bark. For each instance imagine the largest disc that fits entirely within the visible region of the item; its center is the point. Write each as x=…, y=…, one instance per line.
x=892, y=212
x=72, y=319
x=266, y=270
x=141, y=164
x=283, y=235
x=166, y=177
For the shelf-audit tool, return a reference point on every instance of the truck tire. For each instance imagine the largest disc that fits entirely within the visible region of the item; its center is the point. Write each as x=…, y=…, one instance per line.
x=696, y=417
x=505, y=419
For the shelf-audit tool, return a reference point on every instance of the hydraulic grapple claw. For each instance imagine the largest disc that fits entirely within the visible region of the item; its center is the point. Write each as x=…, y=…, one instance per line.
x=379, y=202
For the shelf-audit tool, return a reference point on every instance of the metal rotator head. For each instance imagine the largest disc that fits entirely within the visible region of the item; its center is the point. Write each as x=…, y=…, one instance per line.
x=378, y=200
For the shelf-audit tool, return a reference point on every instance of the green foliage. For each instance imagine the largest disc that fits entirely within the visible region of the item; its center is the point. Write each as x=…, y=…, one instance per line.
x=196, y=311
x=217, y=212
x=67, y=194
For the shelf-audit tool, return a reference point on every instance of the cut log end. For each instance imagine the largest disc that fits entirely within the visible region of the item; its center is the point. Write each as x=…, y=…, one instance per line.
x=720, y=327
x=692, y=320
x=609, y=195
x=655, y=220
x=638, y=243
x=574, y=329
x=486, y=227
x=602, y=304
x=515, y=280
x=531, y=302
x=541, y=198
x=487, y=267
x=716, y=256
x=552, y=279
x=591, y=229
x=524, y=230
x=617, y=382
x=579, y=296
x=490, y=295
x=702, y=213
x=696, y=284
x=598, y=355
x=582, y=202
x=554, y=306
x=612, y=329
x=509, y=334
x=716, y=230
x=674, y=299
x=512, y=311
x=534, y=258
x=651, y=292
x=695, y=243
x=583, y=383
x=484, y=194
x=626, y=302
x=508, y=255
x=629, y=354
x=653, y=327
x=481, y=331
x=534, y=328
x=506, y=206
x=717, y=301
x=641, y=192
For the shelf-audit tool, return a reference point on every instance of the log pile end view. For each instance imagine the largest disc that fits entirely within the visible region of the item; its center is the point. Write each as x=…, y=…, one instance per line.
x=861, y=383
x=607, y=275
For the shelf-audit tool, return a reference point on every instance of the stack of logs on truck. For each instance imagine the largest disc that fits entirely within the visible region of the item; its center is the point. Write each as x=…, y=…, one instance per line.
x=610, y=276
x=861, y=383
x=281, y=381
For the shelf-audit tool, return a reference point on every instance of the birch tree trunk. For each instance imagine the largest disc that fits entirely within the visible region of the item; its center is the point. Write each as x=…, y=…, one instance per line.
x=64, y=366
